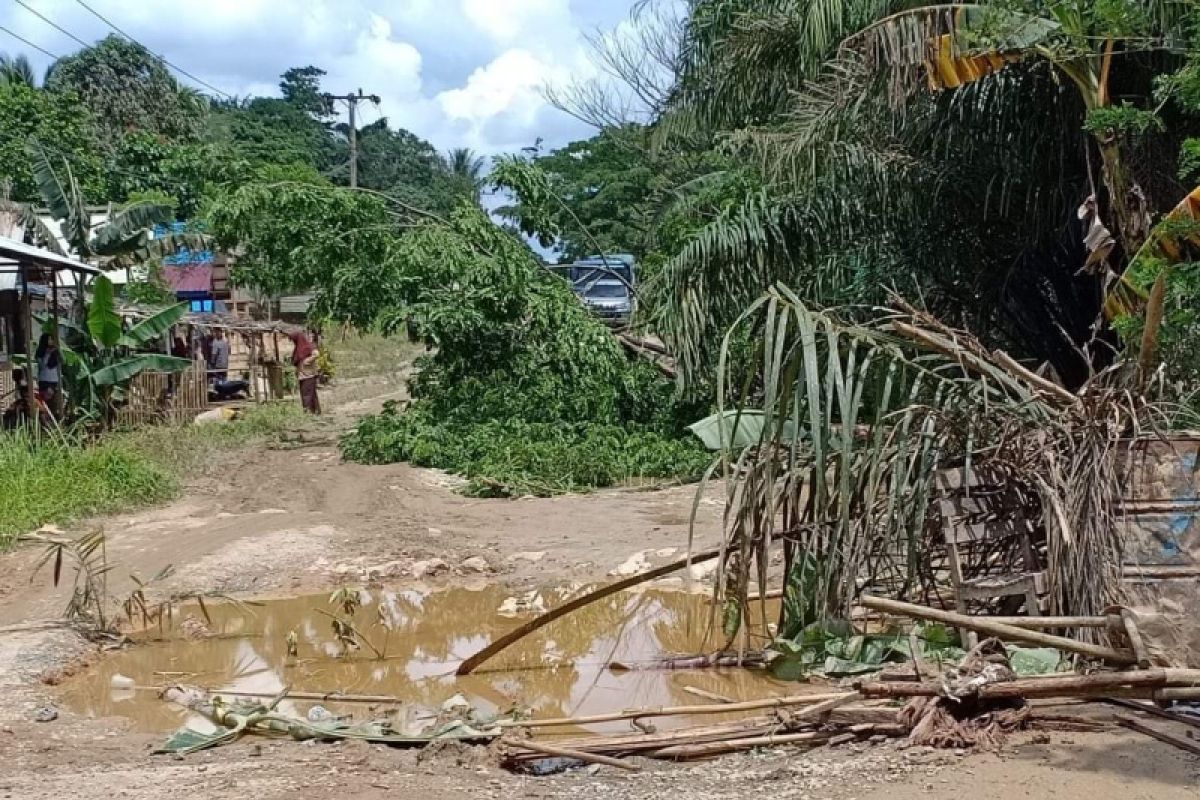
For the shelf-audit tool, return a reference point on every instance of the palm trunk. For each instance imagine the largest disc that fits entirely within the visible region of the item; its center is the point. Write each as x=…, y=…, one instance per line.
x=1127, y=201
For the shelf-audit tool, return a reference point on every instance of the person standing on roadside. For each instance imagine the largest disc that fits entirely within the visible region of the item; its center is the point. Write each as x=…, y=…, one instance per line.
x=49, y=368
x=218, y=363
x=304, y=359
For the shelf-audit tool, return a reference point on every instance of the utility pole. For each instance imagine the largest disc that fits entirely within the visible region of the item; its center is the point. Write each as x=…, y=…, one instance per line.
x=352, y=100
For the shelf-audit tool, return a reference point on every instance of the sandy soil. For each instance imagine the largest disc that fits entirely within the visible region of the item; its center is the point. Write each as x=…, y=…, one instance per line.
x=274, y=521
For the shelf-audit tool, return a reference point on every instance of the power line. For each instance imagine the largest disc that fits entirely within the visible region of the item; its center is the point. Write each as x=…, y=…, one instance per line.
x=28, y=43
x=175, y=67
x=49, y=21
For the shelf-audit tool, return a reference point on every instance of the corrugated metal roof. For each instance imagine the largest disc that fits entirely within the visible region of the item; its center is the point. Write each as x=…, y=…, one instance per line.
x=13, y=251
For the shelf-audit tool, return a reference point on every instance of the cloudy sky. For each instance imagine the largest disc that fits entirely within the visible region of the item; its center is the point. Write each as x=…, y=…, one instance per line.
x=457, y=72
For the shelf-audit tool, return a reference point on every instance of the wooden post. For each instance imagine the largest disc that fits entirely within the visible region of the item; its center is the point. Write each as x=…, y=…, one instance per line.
x=254, y=394
x=56, y=404
x=30, y=364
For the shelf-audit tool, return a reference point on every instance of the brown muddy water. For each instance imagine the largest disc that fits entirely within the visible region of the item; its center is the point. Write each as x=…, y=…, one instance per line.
x=561, y=670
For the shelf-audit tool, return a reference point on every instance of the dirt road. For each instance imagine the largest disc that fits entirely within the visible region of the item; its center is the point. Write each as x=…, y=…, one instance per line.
x=278, y=521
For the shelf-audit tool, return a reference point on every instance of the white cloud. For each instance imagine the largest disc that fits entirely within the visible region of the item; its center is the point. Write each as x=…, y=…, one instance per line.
x=508, y=20
x=457, y=73
x=508, y=83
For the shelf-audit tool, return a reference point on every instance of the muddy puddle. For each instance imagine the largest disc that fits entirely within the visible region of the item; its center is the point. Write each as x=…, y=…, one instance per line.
x=561, y=670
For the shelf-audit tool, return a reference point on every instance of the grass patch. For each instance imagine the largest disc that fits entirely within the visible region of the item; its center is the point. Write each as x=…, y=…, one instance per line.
x=508, y=457
x=53, y=480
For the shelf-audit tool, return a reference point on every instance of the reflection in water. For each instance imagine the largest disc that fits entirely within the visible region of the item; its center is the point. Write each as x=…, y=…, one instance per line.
x=558, y=671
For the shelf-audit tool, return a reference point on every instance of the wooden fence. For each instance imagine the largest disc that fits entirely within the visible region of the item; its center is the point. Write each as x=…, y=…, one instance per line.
x=164, y=397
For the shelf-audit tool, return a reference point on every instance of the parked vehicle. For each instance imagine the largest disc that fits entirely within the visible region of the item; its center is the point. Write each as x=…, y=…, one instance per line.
x=609, y=299
x=607, y=285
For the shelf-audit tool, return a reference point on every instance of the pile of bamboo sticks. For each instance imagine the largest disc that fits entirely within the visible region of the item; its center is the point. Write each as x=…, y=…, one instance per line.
x=802, y=721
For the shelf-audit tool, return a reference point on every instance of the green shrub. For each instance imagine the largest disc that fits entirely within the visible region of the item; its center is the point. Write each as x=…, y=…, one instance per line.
x=503, y=457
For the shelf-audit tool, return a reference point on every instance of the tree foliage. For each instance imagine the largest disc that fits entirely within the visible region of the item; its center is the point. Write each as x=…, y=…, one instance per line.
x=127, y=88
x=61, y=124
x=866, y=157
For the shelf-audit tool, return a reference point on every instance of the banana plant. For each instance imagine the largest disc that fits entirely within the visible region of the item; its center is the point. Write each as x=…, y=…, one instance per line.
x=102, y=358
x=123, y=240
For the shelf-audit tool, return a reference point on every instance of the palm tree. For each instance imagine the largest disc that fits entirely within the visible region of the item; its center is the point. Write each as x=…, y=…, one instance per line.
x=938, y=150
x=16, y=70
x=465, y=166
x=121, y=241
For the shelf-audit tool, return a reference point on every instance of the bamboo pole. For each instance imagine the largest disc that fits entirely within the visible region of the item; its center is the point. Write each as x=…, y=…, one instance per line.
x=1169, y=738
x=1129, y=619
x=520, y=632
x=1111, y=621
x=1095, y=685
x=1011, y=632
x=684, y=752
x=629, y=743
x=676, y=711
x=578, y=755
x=1154, y=711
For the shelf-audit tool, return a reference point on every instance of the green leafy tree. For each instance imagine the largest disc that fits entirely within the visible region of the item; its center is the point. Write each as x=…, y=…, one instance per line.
x=145, y=162
x=607, y=194
x=301, y=87
x=128, y=88
x=268, y=130
x=406, y=167
x=294, y=230
x=63, y=126
x=102, y=357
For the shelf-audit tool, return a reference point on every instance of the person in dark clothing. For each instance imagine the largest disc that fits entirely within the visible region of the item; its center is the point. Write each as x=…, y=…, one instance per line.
x=49, y=368
x=218, y=363
x=304, y=359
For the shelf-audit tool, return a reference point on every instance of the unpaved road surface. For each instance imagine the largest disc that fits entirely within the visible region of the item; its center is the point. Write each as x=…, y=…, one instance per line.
x=280, y=521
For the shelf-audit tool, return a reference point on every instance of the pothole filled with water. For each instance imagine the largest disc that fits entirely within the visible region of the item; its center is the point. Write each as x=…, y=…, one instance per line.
x=562, y=670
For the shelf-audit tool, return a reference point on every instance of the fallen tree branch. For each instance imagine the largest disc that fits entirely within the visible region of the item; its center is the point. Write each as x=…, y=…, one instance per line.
x=997, y=629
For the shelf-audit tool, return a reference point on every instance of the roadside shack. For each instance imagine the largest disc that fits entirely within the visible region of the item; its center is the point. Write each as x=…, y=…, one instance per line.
x=33, y=281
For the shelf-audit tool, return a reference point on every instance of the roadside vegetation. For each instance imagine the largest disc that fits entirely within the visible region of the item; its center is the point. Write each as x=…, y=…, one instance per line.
x=55, y=479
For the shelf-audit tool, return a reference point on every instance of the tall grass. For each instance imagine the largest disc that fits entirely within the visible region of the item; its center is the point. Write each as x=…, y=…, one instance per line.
x=57, y=479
